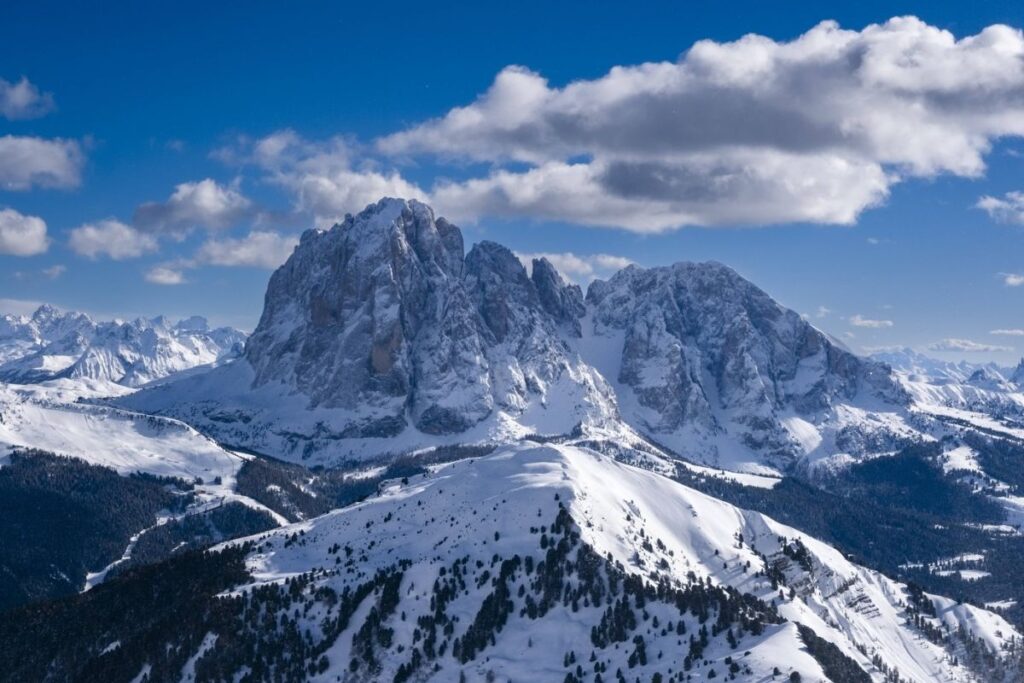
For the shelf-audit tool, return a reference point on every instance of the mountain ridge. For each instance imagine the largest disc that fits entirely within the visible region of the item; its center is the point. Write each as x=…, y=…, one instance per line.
x=53, y=344
x=380, y=328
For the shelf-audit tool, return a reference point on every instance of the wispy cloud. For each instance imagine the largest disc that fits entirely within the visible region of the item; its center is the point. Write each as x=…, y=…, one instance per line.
x=860, y=321
x=966, y=345
x=1014, y=332
x=1007, y=209
x=164, y=275
x=1012, y=279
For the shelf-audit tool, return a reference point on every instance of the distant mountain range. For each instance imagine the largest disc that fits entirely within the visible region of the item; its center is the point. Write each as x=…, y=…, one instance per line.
x=52, y=344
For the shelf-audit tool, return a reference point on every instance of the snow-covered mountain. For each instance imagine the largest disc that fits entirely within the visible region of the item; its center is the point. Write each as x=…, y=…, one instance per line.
x=524, y=460
x=973, y=392
x=379, y=336
x=51, y=344
x=535, y=563
x=920, y=367
x=510, y=563
x=711, y=364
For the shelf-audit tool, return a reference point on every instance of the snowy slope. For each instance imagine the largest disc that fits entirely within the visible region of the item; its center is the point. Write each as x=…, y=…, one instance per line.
x=49, y=417
x=480, y=512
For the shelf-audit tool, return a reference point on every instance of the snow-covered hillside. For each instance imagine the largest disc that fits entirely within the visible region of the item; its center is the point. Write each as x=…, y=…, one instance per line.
x=49, y=417
x=505, y=564
x=50, y=344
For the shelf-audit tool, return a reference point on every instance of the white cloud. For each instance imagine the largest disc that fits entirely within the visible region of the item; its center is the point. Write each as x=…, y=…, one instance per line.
x=822, y=312
x=327, y=179
x=28, y=161
x=860, y=321
x=111, y=238
x=202, y=204
x=23, y=100
x=1008, y=332
x=579, y=267
x=746, y=187
x=164, y=275
x=55, y=271
x=257, y=249
x=1009, y=209
x=961, y=345
x=871, y=350
x=1012, y=279
x=750, y=132
x=22, y=235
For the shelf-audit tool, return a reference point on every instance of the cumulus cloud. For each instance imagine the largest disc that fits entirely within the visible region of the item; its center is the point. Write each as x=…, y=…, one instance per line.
x=742, y=187
x=1012, y=279
x=579, y=267
x=27, y=162
x=1013, y=332
x=258, y=249
x=327, y=179
x=754, y=131
x=1008, y=209
x=860, y=321
x=22, y=235
x=23, y=100
x=165, y=275
x=110, y=238
x=960, y=345
x=203, y=204
x=822, y=312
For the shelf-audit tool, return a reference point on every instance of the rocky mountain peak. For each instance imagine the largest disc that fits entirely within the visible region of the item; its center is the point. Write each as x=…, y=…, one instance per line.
x=562, y=301
x=707, y=353
x=1018, y=374
x=381, y=326
x=383, y=317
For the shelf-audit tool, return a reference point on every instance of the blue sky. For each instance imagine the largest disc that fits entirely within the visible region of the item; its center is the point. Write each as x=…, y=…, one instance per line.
x=234, y=129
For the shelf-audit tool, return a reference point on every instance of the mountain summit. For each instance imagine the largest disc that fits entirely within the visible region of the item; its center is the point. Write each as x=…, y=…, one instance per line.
x=381, y=333
x=383, y=317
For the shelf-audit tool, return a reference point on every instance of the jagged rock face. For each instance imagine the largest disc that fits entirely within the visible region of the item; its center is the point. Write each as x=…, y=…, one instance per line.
x=383, y=317
x=1018, y=374
x=564, y=303
x=706, y=350
x=346, y=315
x=381, y=326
